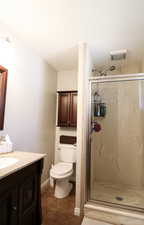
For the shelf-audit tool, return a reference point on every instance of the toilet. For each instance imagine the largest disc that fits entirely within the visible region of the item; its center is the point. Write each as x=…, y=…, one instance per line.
x=62, y=171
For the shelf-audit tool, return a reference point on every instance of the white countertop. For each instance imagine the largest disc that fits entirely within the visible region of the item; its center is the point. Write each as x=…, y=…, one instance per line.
x=24, y=159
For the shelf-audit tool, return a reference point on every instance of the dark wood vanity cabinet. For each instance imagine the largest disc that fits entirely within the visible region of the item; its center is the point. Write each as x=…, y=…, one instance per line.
x=67, y=109
x=20, y=200
x=7, y=208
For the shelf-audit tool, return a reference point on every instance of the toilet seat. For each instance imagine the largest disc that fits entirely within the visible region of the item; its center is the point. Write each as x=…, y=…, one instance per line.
x=61, y=170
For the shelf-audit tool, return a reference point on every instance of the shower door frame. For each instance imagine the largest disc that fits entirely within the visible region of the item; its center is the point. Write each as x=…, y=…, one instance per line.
x=105, y=79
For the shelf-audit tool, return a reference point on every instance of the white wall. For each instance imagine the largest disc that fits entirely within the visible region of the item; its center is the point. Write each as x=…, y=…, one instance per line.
x=66, y=81
x=84, y=72
x=31, y=100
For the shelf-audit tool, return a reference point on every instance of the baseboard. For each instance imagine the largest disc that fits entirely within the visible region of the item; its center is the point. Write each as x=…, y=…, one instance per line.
x=77, y=211
x=44, y=185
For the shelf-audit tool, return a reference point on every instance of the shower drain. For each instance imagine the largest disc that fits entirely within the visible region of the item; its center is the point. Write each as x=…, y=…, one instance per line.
x=119, y=198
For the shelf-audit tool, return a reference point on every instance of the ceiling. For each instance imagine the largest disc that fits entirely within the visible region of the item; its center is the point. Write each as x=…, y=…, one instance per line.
x=55, y=27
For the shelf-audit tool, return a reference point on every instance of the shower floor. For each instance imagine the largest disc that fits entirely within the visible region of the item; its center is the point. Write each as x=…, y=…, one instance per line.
x=118, y=194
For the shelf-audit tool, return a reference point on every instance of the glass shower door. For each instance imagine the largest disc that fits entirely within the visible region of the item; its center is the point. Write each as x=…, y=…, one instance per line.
x=117, y=143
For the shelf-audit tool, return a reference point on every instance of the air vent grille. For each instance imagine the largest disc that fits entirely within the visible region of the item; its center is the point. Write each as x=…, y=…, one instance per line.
x=118, y=55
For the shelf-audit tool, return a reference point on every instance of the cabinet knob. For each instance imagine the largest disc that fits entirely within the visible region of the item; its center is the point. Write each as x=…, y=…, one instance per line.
x=14, y=208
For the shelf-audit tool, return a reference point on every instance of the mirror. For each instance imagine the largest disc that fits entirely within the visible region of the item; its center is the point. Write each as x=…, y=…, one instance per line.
x=3, y=86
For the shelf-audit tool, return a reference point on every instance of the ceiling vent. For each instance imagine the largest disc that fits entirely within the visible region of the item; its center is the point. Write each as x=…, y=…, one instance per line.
x=118, y=55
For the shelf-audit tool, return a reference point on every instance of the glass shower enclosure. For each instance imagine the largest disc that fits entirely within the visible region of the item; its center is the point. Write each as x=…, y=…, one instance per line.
x=116, y=141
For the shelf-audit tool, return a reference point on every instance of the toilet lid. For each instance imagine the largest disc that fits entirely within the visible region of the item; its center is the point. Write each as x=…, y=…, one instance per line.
x=62, y=168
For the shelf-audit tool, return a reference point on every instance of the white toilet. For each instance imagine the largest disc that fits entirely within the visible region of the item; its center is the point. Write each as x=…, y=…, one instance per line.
x=63, y=170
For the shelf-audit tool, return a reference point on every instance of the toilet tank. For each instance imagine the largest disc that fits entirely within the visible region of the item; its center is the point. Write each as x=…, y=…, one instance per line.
x=67, y=153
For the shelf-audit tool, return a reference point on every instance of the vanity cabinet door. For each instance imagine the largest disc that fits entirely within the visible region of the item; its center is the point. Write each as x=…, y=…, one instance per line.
x=8, y=208
x=28, y=194
x=20, y=196
x=29, y=218
x=29, y=200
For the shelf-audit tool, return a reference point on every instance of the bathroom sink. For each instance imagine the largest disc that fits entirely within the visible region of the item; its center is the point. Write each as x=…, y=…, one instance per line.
x=7, y=161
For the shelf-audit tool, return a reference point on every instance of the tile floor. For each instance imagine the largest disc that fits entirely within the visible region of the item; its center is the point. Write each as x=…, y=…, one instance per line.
x=59, y=211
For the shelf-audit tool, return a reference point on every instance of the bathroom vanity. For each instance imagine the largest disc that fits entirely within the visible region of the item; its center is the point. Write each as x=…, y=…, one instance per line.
x=20, y=196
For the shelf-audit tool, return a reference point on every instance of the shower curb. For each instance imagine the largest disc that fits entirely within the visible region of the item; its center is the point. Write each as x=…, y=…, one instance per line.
x=112, y=215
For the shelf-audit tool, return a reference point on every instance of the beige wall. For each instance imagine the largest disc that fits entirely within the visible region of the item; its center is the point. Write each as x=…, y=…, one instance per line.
x=123, y=67
x=126, y=67
x=118, y=149
x=66, y=81
x=31, y=100
x=133, y=67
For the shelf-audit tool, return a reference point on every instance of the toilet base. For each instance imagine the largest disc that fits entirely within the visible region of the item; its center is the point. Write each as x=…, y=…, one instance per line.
x=62, y=188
